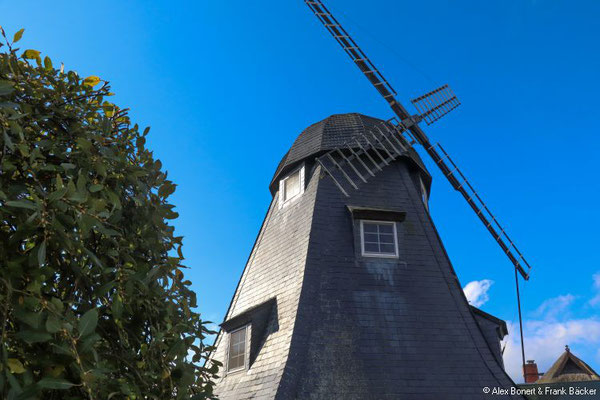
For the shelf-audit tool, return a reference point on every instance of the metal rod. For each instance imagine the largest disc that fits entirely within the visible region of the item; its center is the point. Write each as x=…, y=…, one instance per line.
x=520, y=323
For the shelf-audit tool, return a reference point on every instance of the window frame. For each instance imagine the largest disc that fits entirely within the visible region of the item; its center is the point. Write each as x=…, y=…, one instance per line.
x=282, y=200
x=246, y=349
x=378, y=255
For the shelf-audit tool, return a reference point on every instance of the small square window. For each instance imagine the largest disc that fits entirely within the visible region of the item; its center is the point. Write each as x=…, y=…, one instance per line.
x=379, y=238
x=291, y=186
x=236, y=359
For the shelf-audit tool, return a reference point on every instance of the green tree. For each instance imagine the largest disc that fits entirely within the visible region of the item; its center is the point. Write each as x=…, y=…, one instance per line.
x=93, y=300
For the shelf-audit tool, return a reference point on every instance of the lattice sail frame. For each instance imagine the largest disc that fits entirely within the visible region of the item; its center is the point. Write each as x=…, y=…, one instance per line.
x=434, y=105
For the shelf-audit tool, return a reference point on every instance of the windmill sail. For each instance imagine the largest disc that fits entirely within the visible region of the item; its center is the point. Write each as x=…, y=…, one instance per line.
x=432, y=107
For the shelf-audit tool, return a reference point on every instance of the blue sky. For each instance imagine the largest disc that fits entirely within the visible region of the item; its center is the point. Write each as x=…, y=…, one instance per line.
x=227, y=86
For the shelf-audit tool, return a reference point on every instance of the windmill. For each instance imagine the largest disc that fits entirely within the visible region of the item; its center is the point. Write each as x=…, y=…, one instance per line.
x=348, y=292
x=405, y=127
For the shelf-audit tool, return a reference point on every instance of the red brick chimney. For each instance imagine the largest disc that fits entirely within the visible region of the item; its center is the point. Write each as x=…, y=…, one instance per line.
x=530, y=371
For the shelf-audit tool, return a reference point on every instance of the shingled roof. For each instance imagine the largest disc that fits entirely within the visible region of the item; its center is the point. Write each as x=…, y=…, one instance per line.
x=331, y=133
x=569, y=368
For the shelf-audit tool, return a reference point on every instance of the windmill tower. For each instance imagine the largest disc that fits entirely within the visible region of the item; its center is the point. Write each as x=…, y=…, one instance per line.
x=348, y=292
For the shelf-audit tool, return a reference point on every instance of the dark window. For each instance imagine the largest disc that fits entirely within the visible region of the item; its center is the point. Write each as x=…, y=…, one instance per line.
x=237, y=350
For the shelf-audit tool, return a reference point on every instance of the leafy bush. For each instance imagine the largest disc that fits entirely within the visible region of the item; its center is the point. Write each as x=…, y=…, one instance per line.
x=93, y=300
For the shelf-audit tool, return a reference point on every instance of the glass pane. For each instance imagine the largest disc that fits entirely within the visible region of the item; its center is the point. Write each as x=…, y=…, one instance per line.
x=292, y=185
x=370, y=227
x=386, y=238
x=386, y=228
x=371, y=237
x=371, y=247
x=237, y=349
x=236, y=362
x=388, y=249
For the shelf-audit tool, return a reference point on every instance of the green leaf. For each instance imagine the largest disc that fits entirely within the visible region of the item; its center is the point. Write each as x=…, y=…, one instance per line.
x=57, y=194
x=94, y=258
x=22, y=204
x=96, y=188
x=117, y=307
x=67, y=166
x=31, y=318
x=166, y=189
x=55, y=383
x=42, y=254
x=53, y=324
x=84, y=144
x=47, y=63
x=56, y=304
x=6, y=87
x=31, y=54
x=16, y=129
x=177, y=348
x=15, y=366
x=104, y=289
x=18, y=35
x=8, y=141
x=87, y=323
x=88, y=342
x=91, y=80
x=33, y=336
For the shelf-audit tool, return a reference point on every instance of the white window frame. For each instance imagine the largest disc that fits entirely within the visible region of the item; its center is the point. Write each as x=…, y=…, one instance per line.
x=246, y=349
x=285, y=202
x=362, y=239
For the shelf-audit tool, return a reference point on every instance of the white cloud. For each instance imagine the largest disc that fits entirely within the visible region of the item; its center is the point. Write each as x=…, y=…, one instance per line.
x=556, y=306
x=595, y=301
x=477, y=292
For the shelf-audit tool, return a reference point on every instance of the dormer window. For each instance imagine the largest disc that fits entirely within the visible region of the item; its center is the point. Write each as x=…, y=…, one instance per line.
x=245, y=332
x=291, y=186
x=238, y=352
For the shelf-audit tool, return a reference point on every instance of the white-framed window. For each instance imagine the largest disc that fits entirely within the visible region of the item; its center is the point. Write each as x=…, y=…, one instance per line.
x=291, y=186
x=237, y=352
x=379, y=238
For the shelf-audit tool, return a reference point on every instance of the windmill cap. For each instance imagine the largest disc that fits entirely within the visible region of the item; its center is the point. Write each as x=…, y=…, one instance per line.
x=331, y=133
